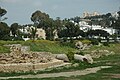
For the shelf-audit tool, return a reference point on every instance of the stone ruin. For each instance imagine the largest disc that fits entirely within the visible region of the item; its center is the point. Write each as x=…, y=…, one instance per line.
x=79, y=45
x=22, y=59
x=22, y=54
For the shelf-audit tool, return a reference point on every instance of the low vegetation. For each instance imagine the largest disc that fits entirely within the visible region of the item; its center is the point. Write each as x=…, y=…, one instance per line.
x=57, y=47
x=115, y=47
x=39, y=45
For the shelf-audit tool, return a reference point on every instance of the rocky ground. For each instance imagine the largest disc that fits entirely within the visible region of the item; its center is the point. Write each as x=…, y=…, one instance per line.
x=32, y=57
x=21, y=54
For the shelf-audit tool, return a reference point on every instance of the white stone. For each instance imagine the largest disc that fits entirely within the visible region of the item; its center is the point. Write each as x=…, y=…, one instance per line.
x=89, y=58
x=62, y=57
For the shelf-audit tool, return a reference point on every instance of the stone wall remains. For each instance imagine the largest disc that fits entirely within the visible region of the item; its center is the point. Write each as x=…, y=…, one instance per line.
x=22, y=59
x=23, y=67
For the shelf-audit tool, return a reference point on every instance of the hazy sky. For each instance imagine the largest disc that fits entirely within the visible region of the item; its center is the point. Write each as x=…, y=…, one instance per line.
x=20, y=11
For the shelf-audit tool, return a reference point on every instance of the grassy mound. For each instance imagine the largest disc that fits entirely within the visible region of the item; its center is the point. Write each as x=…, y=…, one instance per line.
x=39, y=45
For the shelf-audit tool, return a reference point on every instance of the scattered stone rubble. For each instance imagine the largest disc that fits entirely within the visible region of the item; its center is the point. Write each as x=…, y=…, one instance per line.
x=22, y=59
x=100, y=53
x=79, y=45
x=22, y=54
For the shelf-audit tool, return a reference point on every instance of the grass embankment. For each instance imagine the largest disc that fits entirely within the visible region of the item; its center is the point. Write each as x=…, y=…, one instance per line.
x=39, y=45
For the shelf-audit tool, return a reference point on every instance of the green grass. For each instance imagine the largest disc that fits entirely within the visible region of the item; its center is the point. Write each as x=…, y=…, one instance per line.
x=55, y=46
x=39, y=45
x=49, y=46
x=115, y=47
x=4, y=49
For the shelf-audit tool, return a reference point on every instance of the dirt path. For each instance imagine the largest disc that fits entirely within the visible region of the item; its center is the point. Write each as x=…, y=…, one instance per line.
x=64, y=74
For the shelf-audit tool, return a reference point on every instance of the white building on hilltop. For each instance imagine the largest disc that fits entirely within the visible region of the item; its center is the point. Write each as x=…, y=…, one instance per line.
x=87, y=14
x=41, y=33
x=95, y=27
x=110, y=30
x=115, y=15
x=85, y=27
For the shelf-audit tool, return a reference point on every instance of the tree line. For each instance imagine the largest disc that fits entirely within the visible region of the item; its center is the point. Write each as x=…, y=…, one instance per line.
x=65, y=27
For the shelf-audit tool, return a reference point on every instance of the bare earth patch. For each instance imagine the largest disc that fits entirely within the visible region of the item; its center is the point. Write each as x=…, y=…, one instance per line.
x=115, y=75
x=112, y=75
x=61, y=74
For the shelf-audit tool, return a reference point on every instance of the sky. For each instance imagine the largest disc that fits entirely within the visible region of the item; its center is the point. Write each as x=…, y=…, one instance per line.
x=20, y=11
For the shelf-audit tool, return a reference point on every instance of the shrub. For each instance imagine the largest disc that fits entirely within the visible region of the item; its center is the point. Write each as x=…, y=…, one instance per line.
x=86, y=41
x=68, y=44
x=64, y=39
x=80, y=53
x=57, y=39
x=106, y=43
x=18, y=38
x=99, y=39
x=70, y=56
x=7, y=38
x=4, y=49
x=95, y=42
x=71, y=40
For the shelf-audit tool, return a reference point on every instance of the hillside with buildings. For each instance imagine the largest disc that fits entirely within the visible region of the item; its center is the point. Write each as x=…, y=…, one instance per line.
x=90, y=22
x=91, y=25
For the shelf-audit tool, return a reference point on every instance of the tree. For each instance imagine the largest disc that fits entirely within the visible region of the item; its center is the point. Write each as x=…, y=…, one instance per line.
x=58, y=23
x=33, y=31
x=116, y=23
x=90, y=33
x=14, y=29
x=69, y=30
x=118, y=13
x=76, y=19
x=108, y=15
x=100, y=33
x=4, y=31
x=2, y=13
x=17, y=34
x=42, y=20
x=39, y=18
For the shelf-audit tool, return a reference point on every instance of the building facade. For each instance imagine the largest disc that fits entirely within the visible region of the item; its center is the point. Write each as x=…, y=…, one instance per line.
x=87, y=14
x=40, y=33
